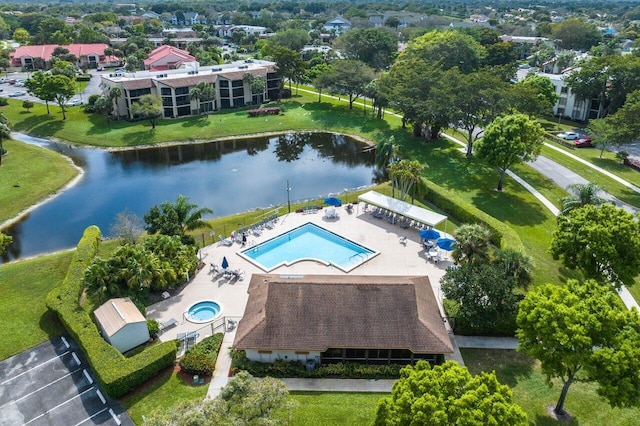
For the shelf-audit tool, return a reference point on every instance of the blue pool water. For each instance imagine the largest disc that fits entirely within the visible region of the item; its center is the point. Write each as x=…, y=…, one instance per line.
x=308, y=242
x=203, y=311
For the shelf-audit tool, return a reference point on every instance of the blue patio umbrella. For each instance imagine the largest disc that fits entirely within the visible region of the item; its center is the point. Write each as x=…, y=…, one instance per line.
x=446, y=243
x=225, y=262
x=429, y=234
x=333, y=201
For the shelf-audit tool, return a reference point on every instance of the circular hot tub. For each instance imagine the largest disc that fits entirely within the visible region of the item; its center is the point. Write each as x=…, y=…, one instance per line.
x=203, y=311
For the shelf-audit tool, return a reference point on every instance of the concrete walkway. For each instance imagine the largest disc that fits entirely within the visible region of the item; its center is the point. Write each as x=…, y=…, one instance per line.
x=482, y=342
x=339, y=385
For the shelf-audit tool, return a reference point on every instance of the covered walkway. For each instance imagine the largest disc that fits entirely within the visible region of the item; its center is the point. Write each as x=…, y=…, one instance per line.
x=428, y=217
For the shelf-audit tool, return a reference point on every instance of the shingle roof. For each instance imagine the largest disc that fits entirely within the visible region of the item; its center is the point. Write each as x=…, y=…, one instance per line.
x=166, y=50
x=317, y=312
x=114, y=314
x=45, y=51
x=188, y=81
x=142, y=83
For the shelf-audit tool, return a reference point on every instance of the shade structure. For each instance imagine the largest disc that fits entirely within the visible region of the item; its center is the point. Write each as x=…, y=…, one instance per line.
x=225, y=262
x=403, y=208
x=333, y=201
x=429, y=234
x=445, y=243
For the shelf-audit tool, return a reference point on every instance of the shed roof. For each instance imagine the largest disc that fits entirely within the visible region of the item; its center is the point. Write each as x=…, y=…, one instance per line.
x=403, y=208
x=318, y=312
x=114, y=314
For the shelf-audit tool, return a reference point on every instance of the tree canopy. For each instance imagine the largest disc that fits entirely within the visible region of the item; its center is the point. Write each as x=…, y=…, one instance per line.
x=602, y=242
x=148, y=107
x=583, y=328
x=349, y=77
x=375, y=47
x=447, y=394
x=510, y=140
x=176, y=218
x=576, y=34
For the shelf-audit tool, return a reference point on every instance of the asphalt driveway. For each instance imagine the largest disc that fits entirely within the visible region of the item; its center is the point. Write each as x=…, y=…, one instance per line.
x=52, y=384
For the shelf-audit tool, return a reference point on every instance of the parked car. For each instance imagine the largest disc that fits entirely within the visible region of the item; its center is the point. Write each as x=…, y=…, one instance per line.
x=17, y=94
x=74, y=102
x=570, y=136
x=583, y=143
x=4, y=80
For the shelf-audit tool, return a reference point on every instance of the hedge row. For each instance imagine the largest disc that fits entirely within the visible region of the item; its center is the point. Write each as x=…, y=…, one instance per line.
x=201, y=359
x=502, y=326
x=117, y=374
x=259, y=112
x=503, y=236
x=283, y=369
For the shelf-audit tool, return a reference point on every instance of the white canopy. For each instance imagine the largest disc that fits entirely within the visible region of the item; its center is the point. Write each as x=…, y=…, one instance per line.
x=405, y=209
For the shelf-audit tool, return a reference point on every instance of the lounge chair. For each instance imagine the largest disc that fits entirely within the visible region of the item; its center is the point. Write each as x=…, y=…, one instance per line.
x=197, y=380
x=164, y=326
x=225, y=241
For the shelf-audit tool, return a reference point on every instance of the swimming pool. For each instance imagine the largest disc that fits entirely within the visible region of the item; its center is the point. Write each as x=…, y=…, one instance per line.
x=203, y=311
x=308, y=242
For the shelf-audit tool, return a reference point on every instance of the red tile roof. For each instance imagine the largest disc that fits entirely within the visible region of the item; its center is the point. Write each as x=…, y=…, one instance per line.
x=164, y=51
x=45, y=51
x=318, y=312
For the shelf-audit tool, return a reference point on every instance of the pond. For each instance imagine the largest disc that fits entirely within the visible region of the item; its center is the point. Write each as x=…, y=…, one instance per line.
x=230, y=177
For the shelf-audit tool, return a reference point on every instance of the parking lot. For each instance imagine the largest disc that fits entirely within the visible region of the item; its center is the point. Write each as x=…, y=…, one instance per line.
x=52, y=384
x=19, y=92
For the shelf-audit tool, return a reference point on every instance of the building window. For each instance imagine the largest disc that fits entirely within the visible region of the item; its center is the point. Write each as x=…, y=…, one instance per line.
x=182, y=100
x=165, y=91
x=224, y=93
x=168, y=113
x=185, y=110
x=565, y=89
x=237, y=83
x=182, y=91
x=238, y=92
x=224, y=83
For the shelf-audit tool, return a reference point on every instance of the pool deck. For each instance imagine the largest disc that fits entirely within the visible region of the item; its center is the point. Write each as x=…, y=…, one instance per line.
x=395, y=258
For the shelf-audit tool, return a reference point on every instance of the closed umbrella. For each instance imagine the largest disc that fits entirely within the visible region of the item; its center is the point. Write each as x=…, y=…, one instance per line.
x=333, y=201
x=429, y=234
x=446, y=243
x=225, y=262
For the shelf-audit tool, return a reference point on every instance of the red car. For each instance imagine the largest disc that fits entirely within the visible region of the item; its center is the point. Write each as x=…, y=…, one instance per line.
x=583, y=143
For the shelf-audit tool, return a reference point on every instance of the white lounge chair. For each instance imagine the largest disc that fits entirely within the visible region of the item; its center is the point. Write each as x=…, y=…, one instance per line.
x=225, y=241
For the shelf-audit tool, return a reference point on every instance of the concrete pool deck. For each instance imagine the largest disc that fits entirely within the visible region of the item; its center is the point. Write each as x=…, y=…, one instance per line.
x=395, y=258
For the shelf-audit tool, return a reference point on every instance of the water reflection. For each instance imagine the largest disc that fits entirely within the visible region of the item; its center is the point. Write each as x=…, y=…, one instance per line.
x=229, y=177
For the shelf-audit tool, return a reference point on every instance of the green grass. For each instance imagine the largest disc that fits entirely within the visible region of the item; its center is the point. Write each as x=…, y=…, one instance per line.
x=334, y=408
x=522, y=374
x=28, y=174
x=161, y=393
x=24, y=285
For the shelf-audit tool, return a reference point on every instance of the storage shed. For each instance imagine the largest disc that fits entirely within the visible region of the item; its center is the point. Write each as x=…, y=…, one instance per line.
x=122, y=324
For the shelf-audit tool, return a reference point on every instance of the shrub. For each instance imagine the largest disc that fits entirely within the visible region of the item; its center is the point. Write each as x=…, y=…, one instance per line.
x=154, y=327
x=117, y=374
x=502, y=235
x=622, y=155
x=83, y=77
x=259, y=112
x=4, y=101
x=201, y=358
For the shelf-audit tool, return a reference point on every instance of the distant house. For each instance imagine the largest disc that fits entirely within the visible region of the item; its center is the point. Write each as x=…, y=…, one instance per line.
x=122, y=324
x=190, y=18
x=334, y=318
x=337, y=25
x=89, y=55
x=167, y=58
x=226, y=31
x=151, y=15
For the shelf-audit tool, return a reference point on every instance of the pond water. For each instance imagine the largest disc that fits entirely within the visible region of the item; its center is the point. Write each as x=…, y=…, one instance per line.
x=228, y=176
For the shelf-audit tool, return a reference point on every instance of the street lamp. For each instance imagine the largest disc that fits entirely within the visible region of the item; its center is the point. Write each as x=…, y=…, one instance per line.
x=288, y=199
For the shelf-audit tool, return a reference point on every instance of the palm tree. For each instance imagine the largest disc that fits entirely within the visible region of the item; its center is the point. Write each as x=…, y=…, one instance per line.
x=114, y=94
x=472, y=244
x=386, y=151
x=581, y=195
x=405, y=175
x=189, y=215
x=195, y=94
x=516, y=264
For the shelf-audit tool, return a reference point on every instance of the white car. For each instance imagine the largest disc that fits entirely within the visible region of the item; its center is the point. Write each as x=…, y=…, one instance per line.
x=570, y=136
x=74, y=102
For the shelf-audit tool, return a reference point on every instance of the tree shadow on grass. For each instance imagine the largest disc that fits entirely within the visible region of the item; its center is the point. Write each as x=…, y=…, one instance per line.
x=34, y=121
x=50, y=324
x=546, y=420
x=510, y=366
x=199, y=121
x=334, y=116
x=509, y=207
x=141, y=137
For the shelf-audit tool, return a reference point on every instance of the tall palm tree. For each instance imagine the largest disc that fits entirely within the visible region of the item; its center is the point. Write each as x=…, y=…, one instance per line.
x=581, y=195
x=114, y=94
x=472, y=244
x=386, y=151
x=195, y=94
x=189, y=215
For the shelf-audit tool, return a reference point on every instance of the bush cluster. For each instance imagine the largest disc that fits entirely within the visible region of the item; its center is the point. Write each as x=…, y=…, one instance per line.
x=83, y=77
x=502, y=326
x=502, y=235
x=4, y=101
x=201, y=359
x=117, y=374
x=259, y=112
x=282, y=368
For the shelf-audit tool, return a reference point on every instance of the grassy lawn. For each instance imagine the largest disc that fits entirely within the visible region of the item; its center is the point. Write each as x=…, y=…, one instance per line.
x=334, y=408
x=24, y=286
x=161, y=393
x=522, y=374
x=28, y=174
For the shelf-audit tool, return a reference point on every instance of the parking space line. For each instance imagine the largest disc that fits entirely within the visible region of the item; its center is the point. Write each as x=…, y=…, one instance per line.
x=45, y=386
x=92, y=416
x=114, y=416
x=33, y=368
x=59, y=405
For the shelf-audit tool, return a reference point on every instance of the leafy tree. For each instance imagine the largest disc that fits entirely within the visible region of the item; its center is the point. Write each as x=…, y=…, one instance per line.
x=5, y=240
x=538, y=94
x=387, y=150
x=103, y=105
x=602, y=242
x=4, y=64
x=245, y=400
x=40, y=85
x=375, y=47
x=257, y=84
x=472, y=244
x=64, y=90
x=133, y=63
x=405, y=175
x=21, y=36
x=484, y=293
x=581, y=195
x=516, y=264
x=619, y=128
x=128, y=227
x=576, y=34
x=292, y=39
x=510, y=140
x=148, y=107
x=176, y=218
x=27, y=104
x=447, y=394
x=591, y=80
x=581, y=331
x=349, y=77
x=447, y=49
x=289, y=63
